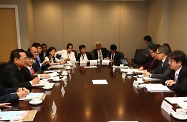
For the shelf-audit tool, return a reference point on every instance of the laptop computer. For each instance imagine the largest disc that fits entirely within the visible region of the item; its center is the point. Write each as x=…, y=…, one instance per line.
x=124, y=61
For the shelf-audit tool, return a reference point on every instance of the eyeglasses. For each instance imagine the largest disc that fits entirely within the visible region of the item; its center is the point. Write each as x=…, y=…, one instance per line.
x=158, y=52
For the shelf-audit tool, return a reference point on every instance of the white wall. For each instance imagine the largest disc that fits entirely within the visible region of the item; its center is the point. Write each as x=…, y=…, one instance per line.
x=85, y=22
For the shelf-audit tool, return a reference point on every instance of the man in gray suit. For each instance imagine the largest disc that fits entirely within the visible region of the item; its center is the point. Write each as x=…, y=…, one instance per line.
x=163, y=68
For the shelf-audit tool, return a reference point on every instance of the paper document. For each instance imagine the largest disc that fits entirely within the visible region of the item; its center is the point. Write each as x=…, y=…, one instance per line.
x=32, y=95
x=175, y=100
x=57, y=66
x=7, y=115
x=51, y=71
x=99, y=82
x=90, y=66
x=157, y=88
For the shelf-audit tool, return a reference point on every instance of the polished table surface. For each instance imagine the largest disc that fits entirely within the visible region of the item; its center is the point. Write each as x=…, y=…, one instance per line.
x=85, y=102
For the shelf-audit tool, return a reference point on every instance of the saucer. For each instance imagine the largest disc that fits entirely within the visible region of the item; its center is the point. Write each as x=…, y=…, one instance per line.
x=68, y=68
x=35, y=103
x=46, y=88
x=128, y=73
x=178, y=117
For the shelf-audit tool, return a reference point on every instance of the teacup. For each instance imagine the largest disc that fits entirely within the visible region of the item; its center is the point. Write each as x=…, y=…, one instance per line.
x=121, y=65
x=139, y=79
x=56, y=78
x=129, y=72
x=68, y=67
x=180, y=112
x=35, y=99
x=64, y=73
x=47, y=85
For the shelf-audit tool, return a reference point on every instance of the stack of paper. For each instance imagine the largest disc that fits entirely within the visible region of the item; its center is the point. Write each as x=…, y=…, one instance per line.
x=175, y=100
x=32, y=95
x=157, y=88
x=57, y=66
x=99, y=82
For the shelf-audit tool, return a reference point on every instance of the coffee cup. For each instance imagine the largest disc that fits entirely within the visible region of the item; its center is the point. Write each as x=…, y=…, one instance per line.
x=47, y=85
x=139, y=79
x=180, y=112
x=56, y=78
x=64, y=73
x=68, y=67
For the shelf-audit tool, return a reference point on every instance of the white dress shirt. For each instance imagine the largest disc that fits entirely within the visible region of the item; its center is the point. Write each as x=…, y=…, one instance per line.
x=64, y=55
x=83, y=57
x=100, y=55
x=56, y=60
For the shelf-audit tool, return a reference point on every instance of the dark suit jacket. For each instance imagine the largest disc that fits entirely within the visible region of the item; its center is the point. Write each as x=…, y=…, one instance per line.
x=11, y=77
x=103, y=50
x=26, y=72
x=181, y=85
x=117, y=55
x=89, y=56
x=151, y=65
x=164, y=72
x=36, y=68
x=6, y=96
x=42, y=57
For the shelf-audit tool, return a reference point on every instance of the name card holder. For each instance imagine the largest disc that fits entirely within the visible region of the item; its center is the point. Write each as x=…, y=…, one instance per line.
x=167, y=107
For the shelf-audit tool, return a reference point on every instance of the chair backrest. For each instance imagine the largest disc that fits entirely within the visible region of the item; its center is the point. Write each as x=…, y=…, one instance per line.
x=2, y=65
x=92, y=54
x=122, y=55
x=139, y=58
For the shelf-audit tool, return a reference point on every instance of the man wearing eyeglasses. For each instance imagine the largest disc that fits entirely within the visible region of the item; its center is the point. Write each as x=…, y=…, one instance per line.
x=177, y=79
x=13, y=74
x=163, y=68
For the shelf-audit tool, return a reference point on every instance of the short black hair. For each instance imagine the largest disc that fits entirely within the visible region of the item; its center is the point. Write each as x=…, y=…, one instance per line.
x=154, y=47
x=49, y=50
x=81, y=46
x=113, y=47
x=69, y=44
x=29, y=54
x=166, y=44
x=43, y=44
x=35, y=44
x=163, y=49
x=15, y=54
x=148, y=38
x=178, y=56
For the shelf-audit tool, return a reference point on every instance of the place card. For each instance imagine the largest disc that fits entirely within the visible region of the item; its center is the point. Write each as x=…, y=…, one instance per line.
x=123, y=75
x=93, y=62
x=167, y=107
x=54, y=108
x=62, y=91
x=65, y=83
x=105, y=62
x=135, y=84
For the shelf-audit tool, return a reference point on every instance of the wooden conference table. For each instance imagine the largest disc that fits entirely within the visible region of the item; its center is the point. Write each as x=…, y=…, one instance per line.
x=85, y=102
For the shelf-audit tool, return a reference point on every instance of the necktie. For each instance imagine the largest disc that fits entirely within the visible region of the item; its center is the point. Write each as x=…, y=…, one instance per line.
x=176, y=77
x=112, y=56
x=99, y=54
x=82, y=56
x=160, y=68
x=37, y=62
x=32, y=71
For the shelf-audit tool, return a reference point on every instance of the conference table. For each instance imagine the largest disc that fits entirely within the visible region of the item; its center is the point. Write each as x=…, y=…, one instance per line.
x=85, y=102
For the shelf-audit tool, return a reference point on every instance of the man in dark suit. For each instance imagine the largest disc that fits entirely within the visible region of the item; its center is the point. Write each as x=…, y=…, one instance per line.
x=13, y=75
x=163, y=68
x=44, y=51
x=113, y=55
x=99, y=52
x=177, y=78
x=12, y=94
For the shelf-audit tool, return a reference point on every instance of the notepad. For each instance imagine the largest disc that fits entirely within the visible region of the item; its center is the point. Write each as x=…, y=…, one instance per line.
x=157, y=88
x=175, y=100
x=99, y=82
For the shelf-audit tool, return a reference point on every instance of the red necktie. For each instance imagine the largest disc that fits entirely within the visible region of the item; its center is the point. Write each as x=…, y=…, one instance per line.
x=32, y=71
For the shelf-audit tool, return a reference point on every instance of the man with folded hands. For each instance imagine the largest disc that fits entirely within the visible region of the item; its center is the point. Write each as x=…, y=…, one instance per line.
x=13, y=73
x=163, y=68
x=177, y=78
x=11, y=95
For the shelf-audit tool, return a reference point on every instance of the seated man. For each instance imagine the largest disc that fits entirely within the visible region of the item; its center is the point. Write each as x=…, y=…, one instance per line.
x=12, y=94
x=99, y=52
x=67, y=55
x=28, y=70
x=83, y=55
x=113, y=55
x=177, y=79
x=163, y=69
x=13, y=75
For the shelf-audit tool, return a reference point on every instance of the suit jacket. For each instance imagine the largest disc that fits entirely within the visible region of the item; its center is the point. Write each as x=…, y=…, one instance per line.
x=151, y=65
x=36, y=67
x=42, y=57
x=161, y=74
x=103, y=50
x=181, y=85
x=11, y=77
x=6, y=96
x=26, y=72
x=117, y=56
x=89, y=56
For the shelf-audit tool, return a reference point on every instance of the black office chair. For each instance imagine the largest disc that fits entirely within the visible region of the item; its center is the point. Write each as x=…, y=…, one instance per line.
x=122, y=55
x=139, y=58
x=92, y=54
